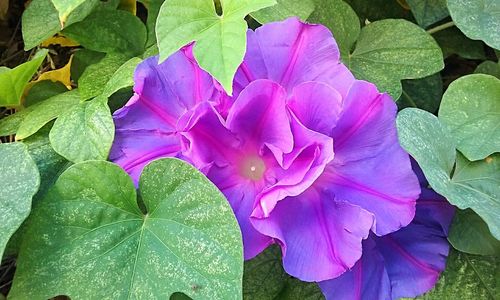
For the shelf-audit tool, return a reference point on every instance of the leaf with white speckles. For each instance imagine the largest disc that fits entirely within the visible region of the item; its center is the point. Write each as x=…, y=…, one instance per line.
x=471, y=110
x=472, y=185
x=20, y=181
x=388, y=51
x=90, y=240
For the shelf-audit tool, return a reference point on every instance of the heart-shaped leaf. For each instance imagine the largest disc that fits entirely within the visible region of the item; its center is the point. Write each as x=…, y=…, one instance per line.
x=471, y=110
x=284, y=9
x=220, y=40
x=473, y=185
x=88, y=239
x=20, y=181
x=478, y=19
x=388, y=51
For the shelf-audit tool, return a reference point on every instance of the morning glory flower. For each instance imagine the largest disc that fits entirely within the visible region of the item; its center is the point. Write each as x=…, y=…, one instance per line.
x=307, y=156
x=406, y=263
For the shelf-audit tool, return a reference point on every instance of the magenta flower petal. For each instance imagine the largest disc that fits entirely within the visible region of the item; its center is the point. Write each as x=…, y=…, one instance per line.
x=290, y=53
x=370, y=168
x=413, y=257
x=319, y=239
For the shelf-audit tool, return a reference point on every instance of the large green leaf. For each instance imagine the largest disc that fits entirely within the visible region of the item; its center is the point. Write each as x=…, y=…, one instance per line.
x=13, y=81
x=122, y=78
x=388, y=51
x=265, y=279
x=424, y=93
x=428, y=12
x=46, y=111
x=467, y=277
x=341, y=19
x=474, y=184
x=478, y=19
x=95, y=77
x=453, y=41
x=89, y=239
x=220, y=40
x=471, y=110
x=85, y=132
x=284, y=9
x=41, y=20
x=469, y=233
x=66, y=7
x=20, y=181
x=108, y=30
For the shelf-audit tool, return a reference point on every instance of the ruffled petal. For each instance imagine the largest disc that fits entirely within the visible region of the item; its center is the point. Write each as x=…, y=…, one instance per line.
x=320, y=238
x=292, y=52
x=368, y=278
x=370, y=169
x=259, y=117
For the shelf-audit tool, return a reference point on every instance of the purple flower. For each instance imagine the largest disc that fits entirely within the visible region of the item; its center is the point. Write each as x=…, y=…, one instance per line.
x=406, y=263
x=307, y=156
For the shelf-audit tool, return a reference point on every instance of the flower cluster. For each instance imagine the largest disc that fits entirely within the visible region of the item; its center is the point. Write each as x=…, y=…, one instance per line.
x=307, y=156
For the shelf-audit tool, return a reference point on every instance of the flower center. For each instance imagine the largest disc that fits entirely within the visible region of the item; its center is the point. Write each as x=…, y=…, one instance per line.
x=253, y=167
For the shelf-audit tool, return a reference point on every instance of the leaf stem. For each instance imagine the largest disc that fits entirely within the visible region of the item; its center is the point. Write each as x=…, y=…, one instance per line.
x=441, y=27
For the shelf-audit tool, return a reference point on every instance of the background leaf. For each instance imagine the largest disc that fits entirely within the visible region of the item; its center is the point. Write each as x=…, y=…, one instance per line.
x=489, y=67
x=473, y=185
x=428, y=12
x=424, y=93
x=85, y=132
x=471, y=110
x=20, y=181
x=122, y=78
x=220, y=40
x=388, y=51
x=469, y=233
x=478, y=19
x=453, y=41
x=188, y=240
x=13, y=81
x=284, y=9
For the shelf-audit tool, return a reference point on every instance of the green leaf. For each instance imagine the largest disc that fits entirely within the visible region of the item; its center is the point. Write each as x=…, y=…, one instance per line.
x=10, y=124
x=478, y=19
x=374, y=10
x=122, y=78
x=46, y=111
x=428, y=12
x=13, y=81
x=474, y=184
x=471, y=110
x=388, y=51
x=453, y=41
x=82, y=59
x=265, y=279
x=469, y=233
x=341, y=19
x=220, y=40
x=40, y=20
x=110, y=31
x=85, y=132
x=43, y=90
x=187, y=241
x=283, y=10
x=96, y=76
x=424, y=93
x=20, y=181
x=489, y=67
x=66, y=7
x=153, y=7
x=467, y=277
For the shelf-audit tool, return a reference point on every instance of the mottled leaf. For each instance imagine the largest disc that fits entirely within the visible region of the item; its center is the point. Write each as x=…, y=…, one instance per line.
x=424, y=93
x=117, y=31
x=388, y=51
x=187, y=241
x=46, y=111
x=428, y=12
x=341, y=19
x=469, y=233
x=220, y=40
x=478, y=19
x=375, y=10
x=13, y=81
x=467, y=277
x=284, y=9
x=20, y=181
x=82, y=59
x=433, y=147
x=471, y=110
x=85, y=132
x=122, y=78
x=453, y=41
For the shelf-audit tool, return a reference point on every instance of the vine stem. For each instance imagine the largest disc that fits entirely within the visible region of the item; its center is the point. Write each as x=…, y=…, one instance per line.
x=441, y=27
